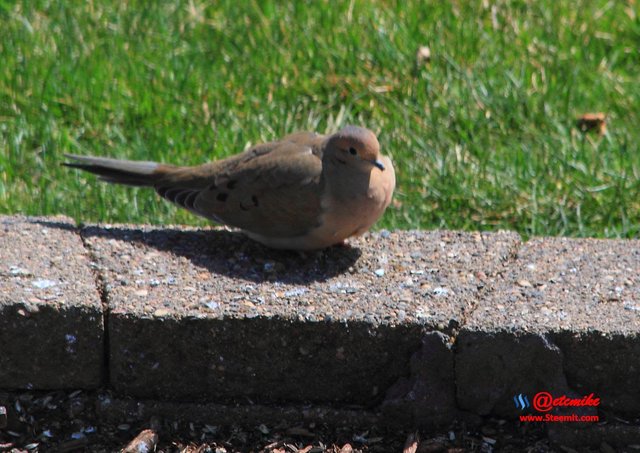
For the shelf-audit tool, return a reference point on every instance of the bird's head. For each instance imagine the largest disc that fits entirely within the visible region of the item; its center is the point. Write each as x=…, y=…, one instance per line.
x=355, y=147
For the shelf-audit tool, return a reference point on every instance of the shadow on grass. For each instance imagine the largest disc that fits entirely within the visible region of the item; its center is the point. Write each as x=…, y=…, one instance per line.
x=229, y=253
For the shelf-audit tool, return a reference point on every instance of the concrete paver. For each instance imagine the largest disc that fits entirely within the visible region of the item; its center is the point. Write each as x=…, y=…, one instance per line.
x=51, y=326
x=564, y=317
x=197, y=314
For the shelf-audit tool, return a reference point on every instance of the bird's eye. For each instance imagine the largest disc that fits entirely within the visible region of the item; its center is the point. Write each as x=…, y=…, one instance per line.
x=353, y=151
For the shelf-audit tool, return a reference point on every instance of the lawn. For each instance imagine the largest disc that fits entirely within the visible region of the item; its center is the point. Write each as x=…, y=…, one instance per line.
x=483, y=136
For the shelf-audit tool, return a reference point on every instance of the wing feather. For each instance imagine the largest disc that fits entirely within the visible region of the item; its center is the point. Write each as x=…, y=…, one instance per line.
x=272, y=189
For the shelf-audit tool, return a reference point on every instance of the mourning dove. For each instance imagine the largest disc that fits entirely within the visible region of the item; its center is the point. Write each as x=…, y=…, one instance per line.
x=306, y=191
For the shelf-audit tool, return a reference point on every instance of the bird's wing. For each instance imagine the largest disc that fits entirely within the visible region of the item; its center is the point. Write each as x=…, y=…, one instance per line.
x=272, y=189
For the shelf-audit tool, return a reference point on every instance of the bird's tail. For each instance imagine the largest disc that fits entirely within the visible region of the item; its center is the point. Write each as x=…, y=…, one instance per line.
x=132, y=173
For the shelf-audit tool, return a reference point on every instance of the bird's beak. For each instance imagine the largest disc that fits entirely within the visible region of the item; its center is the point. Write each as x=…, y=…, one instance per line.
x=378, y=164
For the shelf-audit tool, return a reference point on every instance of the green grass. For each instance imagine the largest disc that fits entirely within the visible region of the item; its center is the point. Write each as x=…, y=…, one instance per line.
x=483, y=137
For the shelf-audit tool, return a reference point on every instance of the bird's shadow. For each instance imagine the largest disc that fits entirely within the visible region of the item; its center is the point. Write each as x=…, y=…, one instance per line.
x=229, y=253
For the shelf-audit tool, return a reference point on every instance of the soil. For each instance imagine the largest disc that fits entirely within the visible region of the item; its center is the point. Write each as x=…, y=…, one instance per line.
x=65, y=421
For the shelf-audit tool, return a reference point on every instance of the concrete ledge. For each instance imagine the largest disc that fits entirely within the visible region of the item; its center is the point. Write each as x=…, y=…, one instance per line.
x=566, y=315
x=51, y=317
x=207, y=314
x=420, y=328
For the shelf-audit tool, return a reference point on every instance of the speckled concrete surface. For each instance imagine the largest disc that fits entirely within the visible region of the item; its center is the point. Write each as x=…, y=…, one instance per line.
x=209, y=314
x=566, y=315
x=423, y=278
x=561, y=284
x=51, y=330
